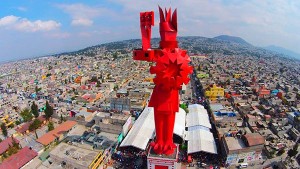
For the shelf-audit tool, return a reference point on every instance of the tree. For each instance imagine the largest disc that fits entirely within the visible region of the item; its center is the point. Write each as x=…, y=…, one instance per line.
x=50, y=126
x=280, y=152
x=48, y=111
x=37, y=89
x=94, y=79
x=98, y=84
x=35, y=124
x=294, y=151
x=14, y=143
x=26, y=114
x=4, y=129
x=61, y=118
x=18, y=122
x=35, y=110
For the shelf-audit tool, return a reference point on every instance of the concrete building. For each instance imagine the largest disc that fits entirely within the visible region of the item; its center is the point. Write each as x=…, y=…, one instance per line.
x=244, y=149
x=74, y=157
x=113, y=123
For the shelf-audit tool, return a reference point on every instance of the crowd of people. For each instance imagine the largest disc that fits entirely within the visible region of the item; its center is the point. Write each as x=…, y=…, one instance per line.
x=206, y=159
x=130, y=158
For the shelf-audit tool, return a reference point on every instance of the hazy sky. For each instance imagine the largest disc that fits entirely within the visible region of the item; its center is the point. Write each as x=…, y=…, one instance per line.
x=38, y=27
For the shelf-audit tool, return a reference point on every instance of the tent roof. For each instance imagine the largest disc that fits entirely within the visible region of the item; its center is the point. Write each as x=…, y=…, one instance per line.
x=197, y=116
x=142, y=130
x=179, y=126
x=201, y=140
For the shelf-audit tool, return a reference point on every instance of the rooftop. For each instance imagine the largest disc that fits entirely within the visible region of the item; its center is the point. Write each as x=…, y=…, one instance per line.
x=4, y=145
x=19, y=159
x=254, y=139
x=52, y=135
x=234, y=143
x=74, y=154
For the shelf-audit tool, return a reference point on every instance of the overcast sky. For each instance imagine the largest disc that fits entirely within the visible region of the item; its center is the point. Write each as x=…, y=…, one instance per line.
x=38, y=27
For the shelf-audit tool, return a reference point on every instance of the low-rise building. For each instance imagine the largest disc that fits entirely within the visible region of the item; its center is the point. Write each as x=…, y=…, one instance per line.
x=247, y=148
x=57, y=134
x=214, y=92
x=19, y=159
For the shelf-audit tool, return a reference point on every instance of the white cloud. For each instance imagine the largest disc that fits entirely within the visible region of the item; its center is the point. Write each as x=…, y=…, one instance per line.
x=259, y=22
x=82, y=22
x=23, y=24
x=8, y=20
x=82, y=15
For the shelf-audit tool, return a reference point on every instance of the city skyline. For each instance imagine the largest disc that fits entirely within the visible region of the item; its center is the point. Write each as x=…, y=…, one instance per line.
x=35, y=28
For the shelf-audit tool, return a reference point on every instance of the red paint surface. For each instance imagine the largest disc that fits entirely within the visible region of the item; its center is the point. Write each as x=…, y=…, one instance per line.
x=161, y=167
x=171, y=69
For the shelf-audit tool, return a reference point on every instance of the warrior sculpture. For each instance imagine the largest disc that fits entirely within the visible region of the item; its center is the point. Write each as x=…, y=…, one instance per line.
x=171, y=69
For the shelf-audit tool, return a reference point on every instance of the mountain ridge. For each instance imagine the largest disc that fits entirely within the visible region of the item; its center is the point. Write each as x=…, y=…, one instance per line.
x=282, y=50
x=193, y=44
x=235, y=39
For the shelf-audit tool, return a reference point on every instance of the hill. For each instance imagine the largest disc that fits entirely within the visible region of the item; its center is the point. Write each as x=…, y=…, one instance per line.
x=193, y=44
x=283, y=51
x=232, y=39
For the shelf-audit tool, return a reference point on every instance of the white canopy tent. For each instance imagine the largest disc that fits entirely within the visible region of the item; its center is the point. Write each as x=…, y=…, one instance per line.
x=144, y=129
x=179, y=126
x=201, y=140
x=197, y=116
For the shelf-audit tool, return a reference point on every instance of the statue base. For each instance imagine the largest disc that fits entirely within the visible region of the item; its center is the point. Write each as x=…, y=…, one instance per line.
x=155, y=161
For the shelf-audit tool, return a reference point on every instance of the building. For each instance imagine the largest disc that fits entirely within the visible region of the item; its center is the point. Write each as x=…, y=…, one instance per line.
x=246, y=148
x=5, y=144
x=120, y=104
x=214, y=92
x=263, y=92
x=113, y=123
x=24, y=128
x=57, y=134
x=202, y=75
x=75, y=157
x=294, y=134
x=19, y=159
x=237, y=75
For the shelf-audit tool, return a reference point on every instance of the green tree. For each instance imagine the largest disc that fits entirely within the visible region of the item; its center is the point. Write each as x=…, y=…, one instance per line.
x=26, y=114
x=14, y=143
x=37, y=89
x=50, y=126
x=294, y=151
x=280, y=152
x=48, y=111
x=35, y=110
x=4, y=129
x=35, y=125
x=12, y=150
x=98, y=84
x=61, y=118
x=18, y=122
x=94, y=79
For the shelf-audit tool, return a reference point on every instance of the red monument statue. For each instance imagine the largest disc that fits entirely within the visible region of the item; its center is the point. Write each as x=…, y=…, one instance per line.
x=171, y=69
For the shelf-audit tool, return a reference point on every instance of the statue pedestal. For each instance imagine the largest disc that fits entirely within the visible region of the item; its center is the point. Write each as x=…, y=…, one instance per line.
x=155, y=161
